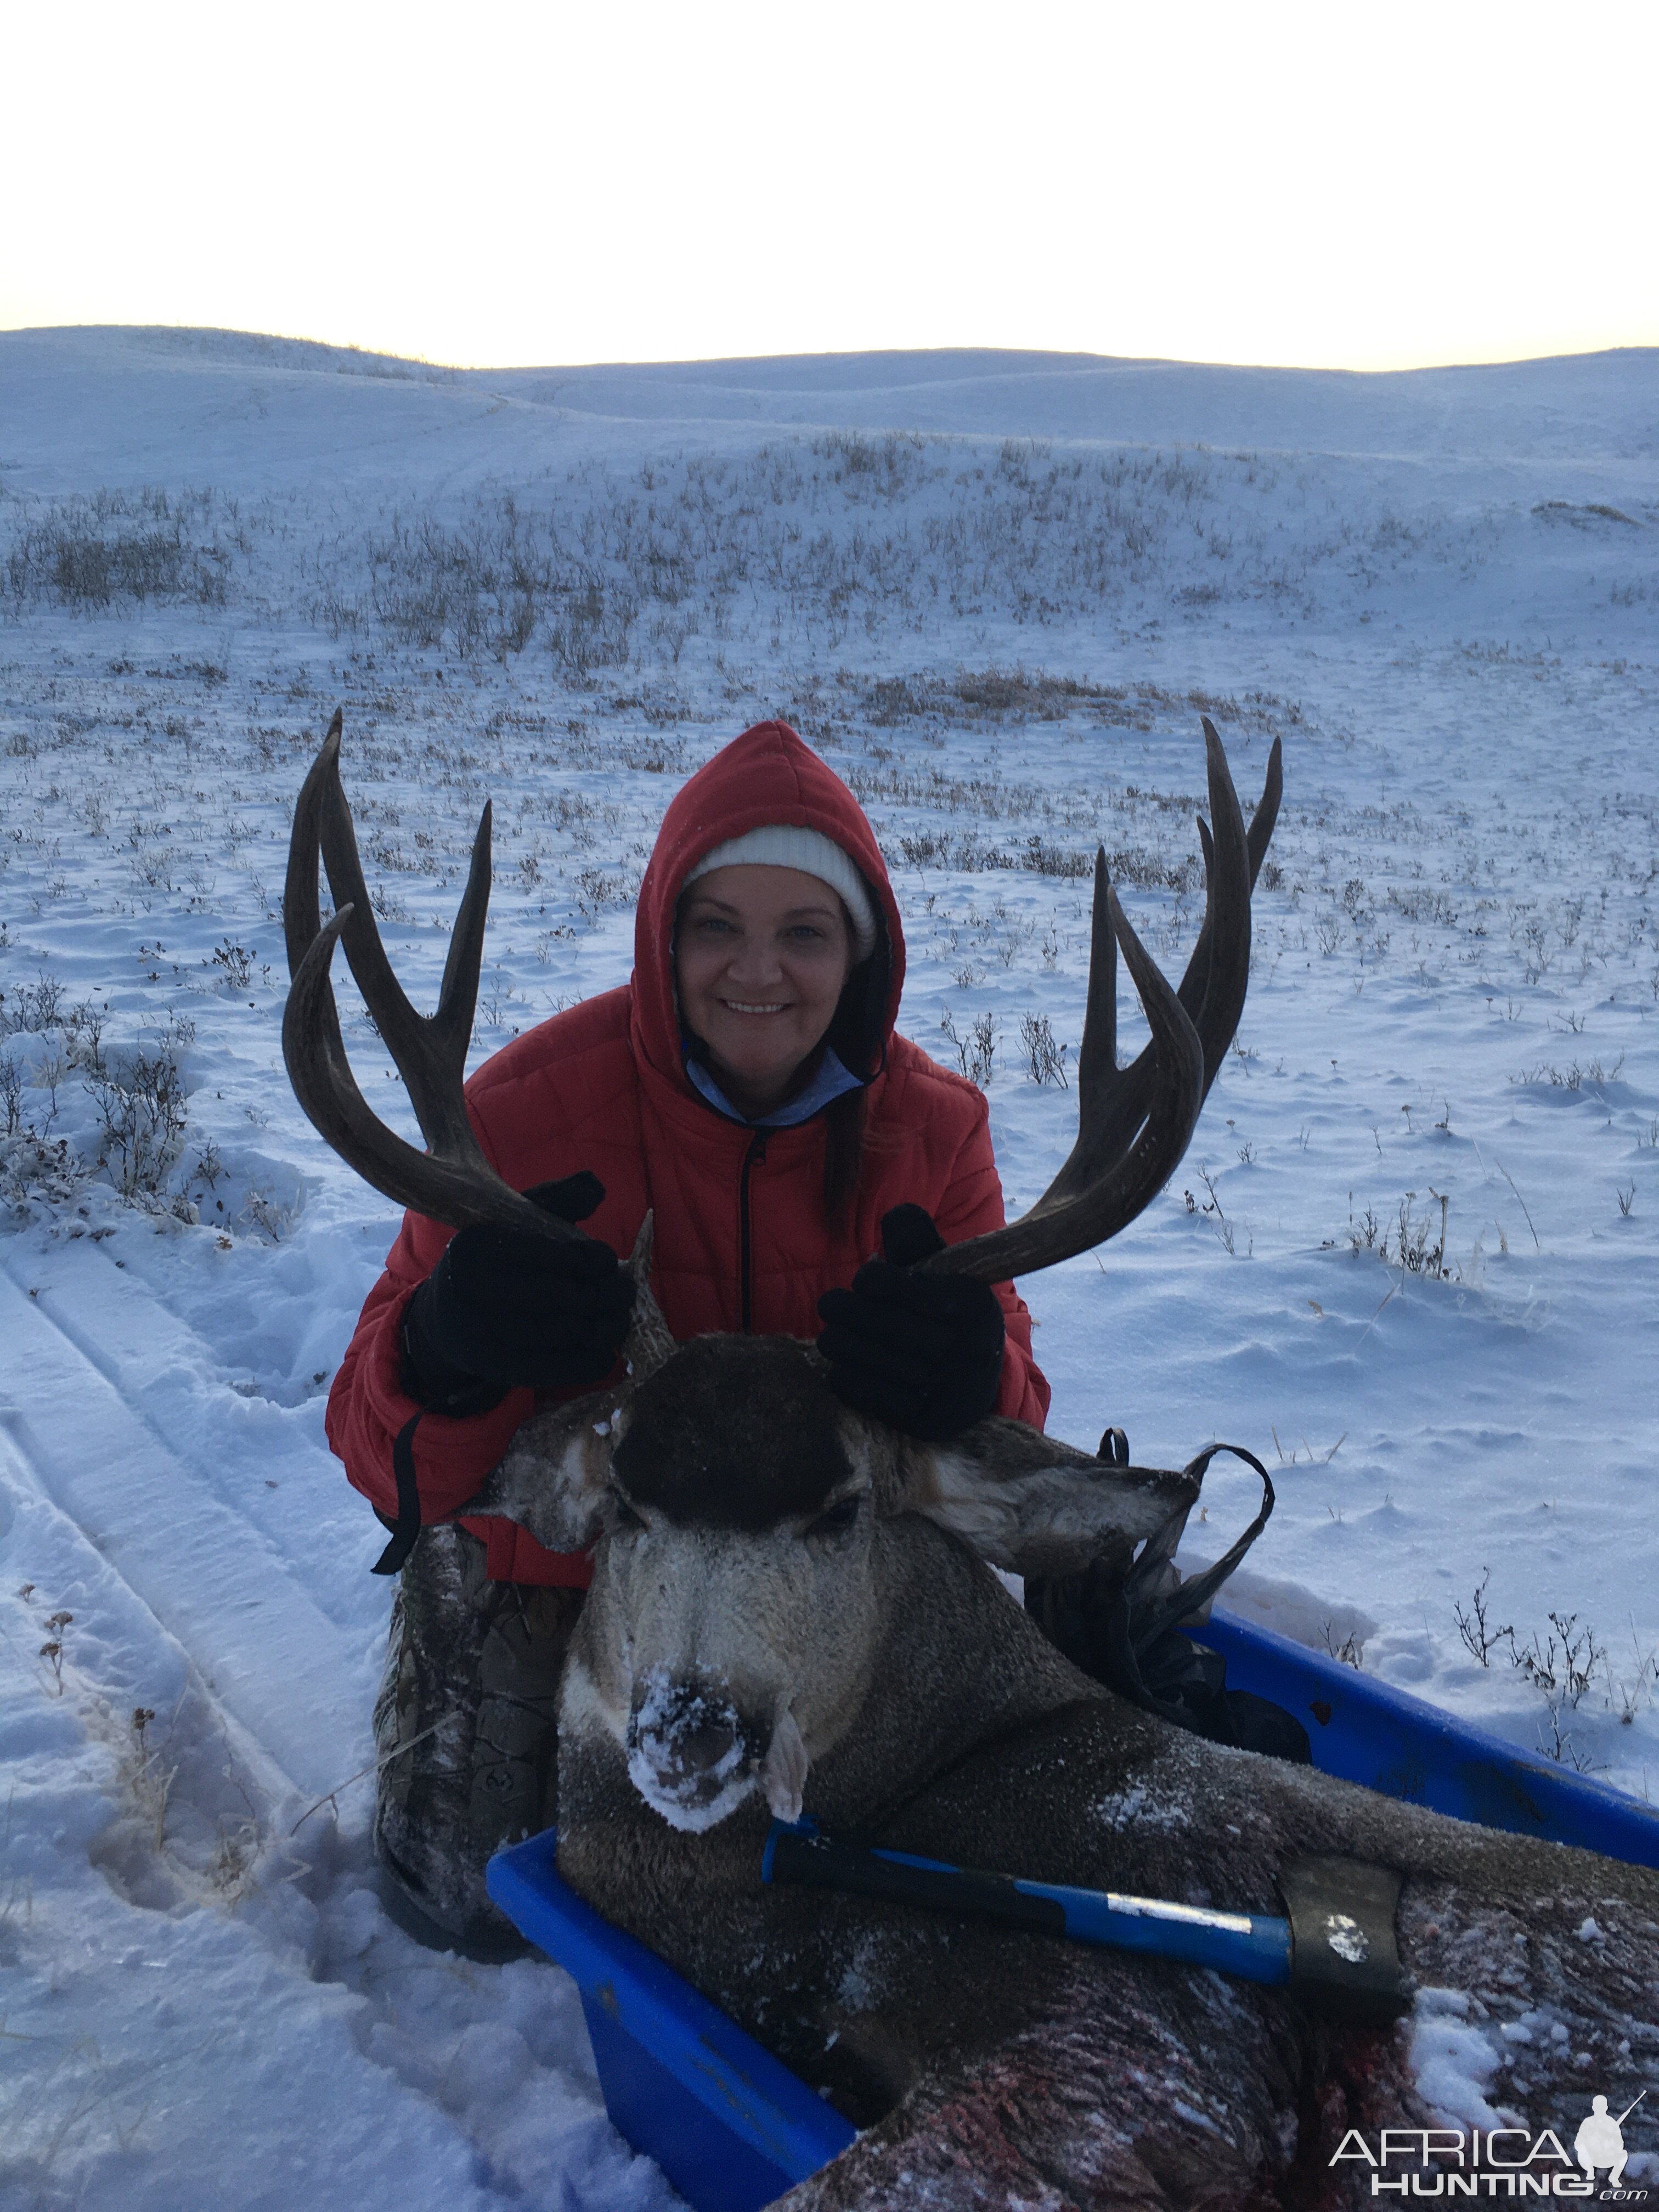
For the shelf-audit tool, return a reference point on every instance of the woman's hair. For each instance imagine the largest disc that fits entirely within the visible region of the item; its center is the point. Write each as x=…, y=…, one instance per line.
x=843, y=1154
x=858, y=1037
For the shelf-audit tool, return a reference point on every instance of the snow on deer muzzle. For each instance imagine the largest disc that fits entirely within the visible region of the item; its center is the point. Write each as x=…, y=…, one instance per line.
x=689, y=1752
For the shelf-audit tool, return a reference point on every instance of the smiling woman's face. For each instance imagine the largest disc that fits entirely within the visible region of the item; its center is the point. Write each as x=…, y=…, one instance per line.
x=760, y=956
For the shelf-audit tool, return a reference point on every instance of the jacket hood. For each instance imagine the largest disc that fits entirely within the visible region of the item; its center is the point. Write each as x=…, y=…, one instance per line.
x=765, y=776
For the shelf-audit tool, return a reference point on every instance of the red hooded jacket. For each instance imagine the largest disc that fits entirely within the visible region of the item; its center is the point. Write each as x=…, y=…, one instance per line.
x=604, y=1086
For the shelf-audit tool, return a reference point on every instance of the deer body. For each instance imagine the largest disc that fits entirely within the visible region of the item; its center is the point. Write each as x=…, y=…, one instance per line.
x=941, y=1722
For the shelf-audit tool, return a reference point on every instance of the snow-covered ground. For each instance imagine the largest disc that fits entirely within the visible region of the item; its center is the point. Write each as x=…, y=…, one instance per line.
x=1411, y=1259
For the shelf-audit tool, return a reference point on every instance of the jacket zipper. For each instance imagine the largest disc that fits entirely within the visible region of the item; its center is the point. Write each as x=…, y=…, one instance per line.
x=755, y=1153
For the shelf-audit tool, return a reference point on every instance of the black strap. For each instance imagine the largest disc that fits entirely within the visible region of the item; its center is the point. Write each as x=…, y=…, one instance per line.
x=1191, y=1594
x=408, y=1524
x=1133, y=1629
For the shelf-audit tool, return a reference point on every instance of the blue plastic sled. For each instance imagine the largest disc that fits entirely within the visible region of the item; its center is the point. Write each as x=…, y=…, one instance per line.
x=732, y=2129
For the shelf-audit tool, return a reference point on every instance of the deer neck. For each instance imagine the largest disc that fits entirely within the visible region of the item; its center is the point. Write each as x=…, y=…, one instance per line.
x=958, y=1664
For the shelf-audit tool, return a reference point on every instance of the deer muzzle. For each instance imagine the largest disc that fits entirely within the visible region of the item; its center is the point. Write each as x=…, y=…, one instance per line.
x=691, y=1755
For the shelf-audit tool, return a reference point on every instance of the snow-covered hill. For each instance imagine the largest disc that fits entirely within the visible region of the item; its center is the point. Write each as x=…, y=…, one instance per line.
x=267, y=409
x=1416, y=1271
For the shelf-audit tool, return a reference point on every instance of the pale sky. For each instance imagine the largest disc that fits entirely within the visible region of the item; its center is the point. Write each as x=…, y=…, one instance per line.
x=1343, y=184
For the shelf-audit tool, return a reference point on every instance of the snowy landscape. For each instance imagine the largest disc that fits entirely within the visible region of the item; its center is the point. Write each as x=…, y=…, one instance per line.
x=1411, y=1260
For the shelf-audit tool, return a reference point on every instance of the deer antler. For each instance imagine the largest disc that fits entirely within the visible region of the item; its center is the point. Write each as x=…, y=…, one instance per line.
x=452, y=1182
x=1134, y=1122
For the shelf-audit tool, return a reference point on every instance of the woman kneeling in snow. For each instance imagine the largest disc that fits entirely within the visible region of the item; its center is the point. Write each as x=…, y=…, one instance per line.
x=749, y=1088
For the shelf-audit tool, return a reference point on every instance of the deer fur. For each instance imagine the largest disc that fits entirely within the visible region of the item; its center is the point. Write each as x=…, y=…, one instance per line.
x=917, y=1704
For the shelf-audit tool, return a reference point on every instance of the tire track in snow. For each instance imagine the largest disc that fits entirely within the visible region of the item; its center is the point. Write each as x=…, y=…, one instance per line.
x=346, y=2050
x=117, y=1655
x=204, y=1571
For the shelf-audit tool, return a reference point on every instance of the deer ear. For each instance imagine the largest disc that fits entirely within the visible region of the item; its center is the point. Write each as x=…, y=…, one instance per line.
x=1032, y=1505
x=552, y=1479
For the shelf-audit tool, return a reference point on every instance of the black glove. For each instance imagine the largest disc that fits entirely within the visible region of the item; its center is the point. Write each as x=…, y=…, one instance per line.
x=923, y=1352
x=504, y=1306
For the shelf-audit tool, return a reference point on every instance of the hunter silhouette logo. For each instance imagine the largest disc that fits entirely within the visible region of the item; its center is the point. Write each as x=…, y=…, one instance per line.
x=1600, y=2141
x=1500, y=2161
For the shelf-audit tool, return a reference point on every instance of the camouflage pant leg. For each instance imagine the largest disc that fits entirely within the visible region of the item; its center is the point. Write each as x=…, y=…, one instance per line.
x=478, y=1663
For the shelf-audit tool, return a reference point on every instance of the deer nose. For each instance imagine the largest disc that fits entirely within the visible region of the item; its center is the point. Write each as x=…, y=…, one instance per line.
x=700, y=1748
x=687, y=1732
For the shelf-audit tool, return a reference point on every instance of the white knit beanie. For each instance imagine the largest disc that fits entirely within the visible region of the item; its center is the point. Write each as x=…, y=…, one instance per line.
x=783, y=845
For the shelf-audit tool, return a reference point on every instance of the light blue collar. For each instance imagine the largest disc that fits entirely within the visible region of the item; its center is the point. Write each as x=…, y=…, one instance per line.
x=832, y=1081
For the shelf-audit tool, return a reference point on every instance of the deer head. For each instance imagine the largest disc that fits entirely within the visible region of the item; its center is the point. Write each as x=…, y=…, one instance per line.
x=746, y=1524
x=745, y=1519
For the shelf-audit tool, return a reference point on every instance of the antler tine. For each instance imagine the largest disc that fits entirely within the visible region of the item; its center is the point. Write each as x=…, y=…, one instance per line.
x=1261, y=821
x=430, y=1056
x=1097, y=1054
x=1226, y=965
x=1103, y=1184
x=452, y=1182
x=1134, y=1092
x=1135, y=1123
x=302, y=913
x=1267, y=811
x=1215, y=999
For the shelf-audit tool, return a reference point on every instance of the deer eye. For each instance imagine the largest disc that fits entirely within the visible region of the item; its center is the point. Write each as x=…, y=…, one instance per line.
x=839, y=1518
